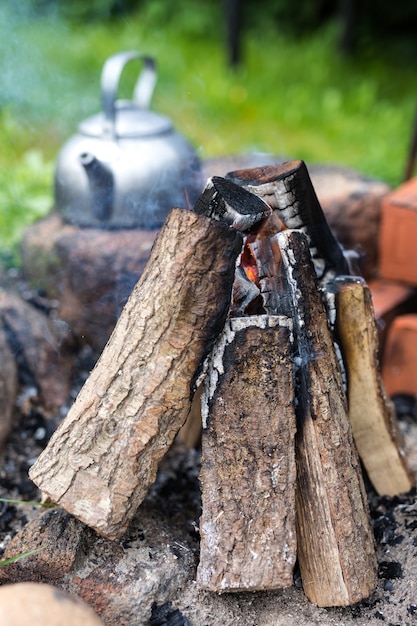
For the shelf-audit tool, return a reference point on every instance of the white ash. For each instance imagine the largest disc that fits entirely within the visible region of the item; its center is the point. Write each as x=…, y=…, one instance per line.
x=214, y=365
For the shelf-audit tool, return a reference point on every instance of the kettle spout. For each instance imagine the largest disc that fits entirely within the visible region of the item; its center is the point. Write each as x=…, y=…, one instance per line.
x=101, y=184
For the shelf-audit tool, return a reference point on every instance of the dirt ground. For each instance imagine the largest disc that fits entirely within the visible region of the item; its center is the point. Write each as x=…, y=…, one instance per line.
x=394, y=520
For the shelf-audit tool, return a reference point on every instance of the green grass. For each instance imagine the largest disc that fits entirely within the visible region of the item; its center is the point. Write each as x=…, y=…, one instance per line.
x=297, y=98
x=24, y=555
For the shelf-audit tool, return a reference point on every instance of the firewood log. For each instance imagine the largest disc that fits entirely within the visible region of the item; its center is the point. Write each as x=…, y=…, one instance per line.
x=288, y=189
x=371, y=413
x=104, y=456
x=336, y=548
x=247, y=527
x=230, y=203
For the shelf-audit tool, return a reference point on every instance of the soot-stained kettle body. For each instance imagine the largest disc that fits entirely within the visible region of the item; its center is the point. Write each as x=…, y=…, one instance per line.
x=126, y=167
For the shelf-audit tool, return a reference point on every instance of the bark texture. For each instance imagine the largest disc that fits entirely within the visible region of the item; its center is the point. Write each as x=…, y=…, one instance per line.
x=102, y=459
x=371, y=413
x=336, y=548
x=247, y=528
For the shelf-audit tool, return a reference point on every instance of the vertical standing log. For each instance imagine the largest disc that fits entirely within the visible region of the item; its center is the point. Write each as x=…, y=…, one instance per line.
x=335, y=541
x=371, y=414
x=104, y=456
x=247, y=528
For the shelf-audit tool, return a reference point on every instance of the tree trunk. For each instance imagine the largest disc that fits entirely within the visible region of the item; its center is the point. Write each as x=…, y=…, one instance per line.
x=371, y=413
x=336, y=548
x=247, y=527
x=102, y=459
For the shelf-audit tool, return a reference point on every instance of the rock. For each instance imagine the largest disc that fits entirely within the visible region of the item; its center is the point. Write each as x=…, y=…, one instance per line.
x=55, y=538
x=41, y=350
x=8, y=387
x=352, y=204
x=43, y=605
x=91, y=272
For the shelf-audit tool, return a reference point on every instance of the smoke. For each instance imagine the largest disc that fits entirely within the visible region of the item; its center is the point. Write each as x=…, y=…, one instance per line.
x=32, y=82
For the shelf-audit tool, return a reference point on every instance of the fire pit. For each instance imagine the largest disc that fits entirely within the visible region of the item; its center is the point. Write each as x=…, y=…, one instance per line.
x=305, y=361
x=139, y=394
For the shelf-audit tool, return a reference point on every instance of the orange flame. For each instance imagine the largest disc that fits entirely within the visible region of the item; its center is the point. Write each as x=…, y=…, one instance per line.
x=248, y=263
x=251, y=273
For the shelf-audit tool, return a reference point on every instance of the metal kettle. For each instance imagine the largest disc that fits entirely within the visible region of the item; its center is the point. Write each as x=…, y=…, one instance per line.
x=126, y=167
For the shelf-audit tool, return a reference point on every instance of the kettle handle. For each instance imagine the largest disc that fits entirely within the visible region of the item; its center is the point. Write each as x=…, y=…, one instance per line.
x=110, y=78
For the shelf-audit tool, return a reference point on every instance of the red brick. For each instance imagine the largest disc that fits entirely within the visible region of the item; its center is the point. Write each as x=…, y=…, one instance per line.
x=398, y=235
x=399, y=371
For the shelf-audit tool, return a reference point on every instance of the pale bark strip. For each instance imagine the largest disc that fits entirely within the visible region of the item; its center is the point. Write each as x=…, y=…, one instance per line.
x=190, y=433
x=247, y=527
x=336, y=548
x=104, y=456
x=371, y=413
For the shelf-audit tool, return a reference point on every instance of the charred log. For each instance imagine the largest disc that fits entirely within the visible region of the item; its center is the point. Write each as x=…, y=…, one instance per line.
x=288, y=189
x=223, y=200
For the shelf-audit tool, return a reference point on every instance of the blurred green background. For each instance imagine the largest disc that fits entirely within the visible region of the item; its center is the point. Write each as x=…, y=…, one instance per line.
x=307, y=85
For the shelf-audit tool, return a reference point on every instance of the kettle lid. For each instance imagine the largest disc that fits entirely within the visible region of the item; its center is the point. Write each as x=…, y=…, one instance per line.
x=129, y=121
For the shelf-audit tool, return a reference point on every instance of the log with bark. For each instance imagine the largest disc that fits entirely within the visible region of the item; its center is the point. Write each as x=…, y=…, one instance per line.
x=336, y=548
x=104, y=456
x=247, y=527
x=371, y=413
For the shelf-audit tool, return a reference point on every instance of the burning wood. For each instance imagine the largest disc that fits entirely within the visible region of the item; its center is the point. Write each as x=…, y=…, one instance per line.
x=273, y=370
x=288, y=190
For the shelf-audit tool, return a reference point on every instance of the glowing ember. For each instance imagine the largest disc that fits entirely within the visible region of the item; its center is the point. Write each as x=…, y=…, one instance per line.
x=248, y=263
